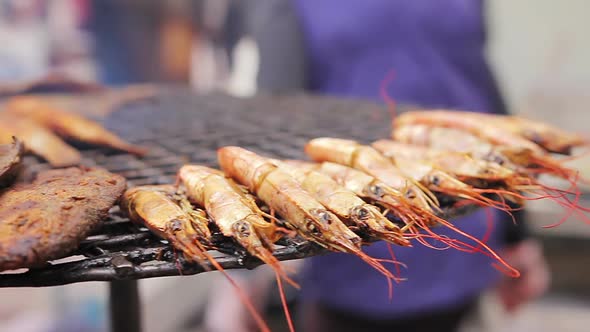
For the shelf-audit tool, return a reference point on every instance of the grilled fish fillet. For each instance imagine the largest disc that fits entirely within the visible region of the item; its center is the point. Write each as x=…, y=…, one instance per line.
x=48, y=218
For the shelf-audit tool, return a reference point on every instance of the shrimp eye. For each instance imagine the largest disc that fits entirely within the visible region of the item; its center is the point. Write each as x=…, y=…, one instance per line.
x=176, y=225
x=361, y=213
x=376, y=190
x=435, y=180
x=410, y=194
x=242, y=228
x=498, y=160
x=312, y=227
x=325, y=217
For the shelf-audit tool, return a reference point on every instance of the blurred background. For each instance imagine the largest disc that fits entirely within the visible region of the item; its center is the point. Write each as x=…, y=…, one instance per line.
x=539, y=50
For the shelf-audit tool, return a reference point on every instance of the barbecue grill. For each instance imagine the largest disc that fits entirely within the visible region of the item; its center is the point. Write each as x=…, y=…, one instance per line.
x=180, y=127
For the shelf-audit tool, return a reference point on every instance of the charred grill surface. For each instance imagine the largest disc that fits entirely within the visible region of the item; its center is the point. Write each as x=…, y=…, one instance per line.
x=179, y=127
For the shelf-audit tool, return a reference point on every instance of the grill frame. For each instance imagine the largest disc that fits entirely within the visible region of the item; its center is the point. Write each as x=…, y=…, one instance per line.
x=181, y=127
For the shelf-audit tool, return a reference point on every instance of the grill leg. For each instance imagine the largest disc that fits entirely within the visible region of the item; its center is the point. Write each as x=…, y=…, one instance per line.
x=124, y=306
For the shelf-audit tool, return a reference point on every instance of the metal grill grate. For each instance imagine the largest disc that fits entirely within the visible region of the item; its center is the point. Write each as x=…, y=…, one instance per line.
x=179, y=127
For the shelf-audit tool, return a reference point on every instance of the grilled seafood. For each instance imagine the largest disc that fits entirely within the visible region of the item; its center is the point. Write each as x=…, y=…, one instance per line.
x=516, y=148
x=415, y=217
x=345, y=204
x=460, y=165
x=459, y=120
x=159, y=210
x=494, y=177
x=368, y=160
x=450, y=139
x=68, y=124
x=48, y=218
x=39, y=140
x=167, y=214
x=442, y=182
x=548, y=137
x=284, y=195
x=236, y=214
x=10, y=162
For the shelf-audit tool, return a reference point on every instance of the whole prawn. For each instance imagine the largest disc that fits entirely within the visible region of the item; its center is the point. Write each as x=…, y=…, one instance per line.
x=157, y=208
x=345, y=204
x=415, y=218
x=450, y=173
x=518, y=149
x=549, y=137
x=493, y=176
x=366, y=159
x=171, y=217
x=300, y=210
x=440, y=181
x=236, y=214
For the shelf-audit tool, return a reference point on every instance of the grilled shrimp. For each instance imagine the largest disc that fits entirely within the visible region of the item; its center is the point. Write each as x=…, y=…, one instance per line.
x=484, y=176
x=442, y=182
x=345, y=204
x=473, y=125
x=450, y=139
x=516, y=148
x=364, y=186
x=548, y=137
x=38, y=140
x=236, y=215
x=171, y=217
x=515, y=185
x=460, y=165
x=370, y=161
x=415, y=218
x=300, y=210
x=68, y=124
x=157, y=209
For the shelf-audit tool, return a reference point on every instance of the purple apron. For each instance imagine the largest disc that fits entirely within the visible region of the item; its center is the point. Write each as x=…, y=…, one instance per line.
x=436, y=51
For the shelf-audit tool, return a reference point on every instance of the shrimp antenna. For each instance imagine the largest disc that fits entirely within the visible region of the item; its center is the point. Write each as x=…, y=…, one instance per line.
x=391, y=104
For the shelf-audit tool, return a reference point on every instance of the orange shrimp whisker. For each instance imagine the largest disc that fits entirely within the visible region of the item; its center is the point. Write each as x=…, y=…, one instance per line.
x=459, y=245
x=577, y=156
x=391, y=104
x=554, y=167
x=485, y=248
x=393, y=258
x=379, y=267
x=284, y=302
x=247, y=302
x=473, y=195
x=422, y=219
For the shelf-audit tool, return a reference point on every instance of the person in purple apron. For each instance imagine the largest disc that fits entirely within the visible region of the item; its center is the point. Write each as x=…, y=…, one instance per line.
x=436, y=50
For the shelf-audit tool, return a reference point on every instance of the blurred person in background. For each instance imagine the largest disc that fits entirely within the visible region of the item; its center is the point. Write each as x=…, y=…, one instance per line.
x=437, y=51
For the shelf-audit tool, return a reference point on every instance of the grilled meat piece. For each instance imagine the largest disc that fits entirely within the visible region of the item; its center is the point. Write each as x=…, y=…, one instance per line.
x=69, y=125
x=48, y=218
x=10, y=161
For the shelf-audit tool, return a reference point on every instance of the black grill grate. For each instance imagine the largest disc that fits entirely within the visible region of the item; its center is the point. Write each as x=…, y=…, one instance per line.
x=180, y=127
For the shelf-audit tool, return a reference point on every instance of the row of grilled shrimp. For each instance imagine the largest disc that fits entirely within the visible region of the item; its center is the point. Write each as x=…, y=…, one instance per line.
x=340, y=200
